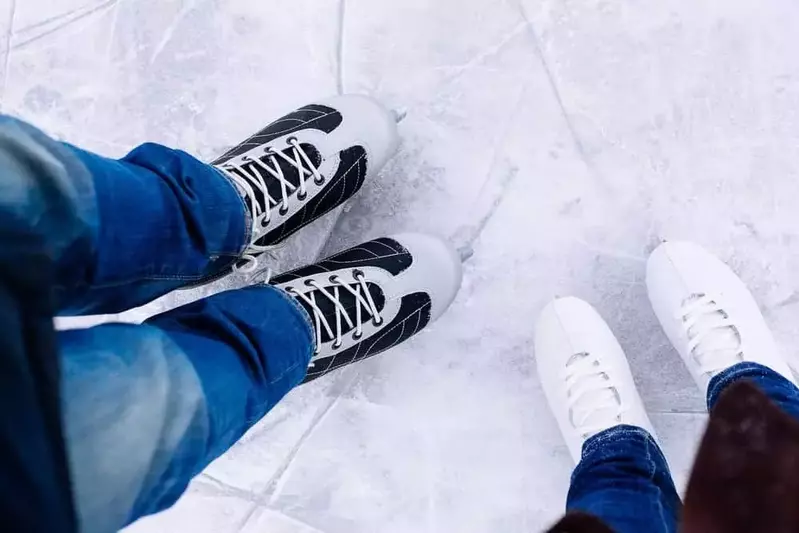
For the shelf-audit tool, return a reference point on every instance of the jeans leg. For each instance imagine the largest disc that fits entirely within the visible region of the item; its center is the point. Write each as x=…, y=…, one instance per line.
x=781, y=391
x=624, y=480
x=127, y=231
x=35, y=224
x=147, y=407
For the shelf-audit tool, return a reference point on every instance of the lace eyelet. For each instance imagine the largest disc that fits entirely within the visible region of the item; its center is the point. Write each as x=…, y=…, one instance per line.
x=309, y=282
x=378, y=322
x=357, y=336
x=283, y=211
x=290, y=289
x=334, y=279
x=336, y=345
x=358, y=274
x=320, y=181
x=292, y=140
x=302, y=196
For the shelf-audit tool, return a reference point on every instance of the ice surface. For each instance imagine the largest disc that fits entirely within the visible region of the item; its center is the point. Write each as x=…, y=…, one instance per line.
x=559, y=139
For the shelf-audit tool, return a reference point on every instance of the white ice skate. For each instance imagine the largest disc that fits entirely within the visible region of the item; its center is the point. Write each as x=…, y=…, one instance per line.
x=585, y=374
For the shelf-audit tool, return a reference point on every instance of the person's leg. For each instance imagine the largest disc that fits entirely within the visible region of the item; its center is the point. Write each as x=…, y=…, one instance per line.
x=147, y=407
x=137, y=227
x=622, y=476
x=624, y=479
x=715, y=325
x=159, y=219
x=100, y=236
x=163, y=220
x=777, y=387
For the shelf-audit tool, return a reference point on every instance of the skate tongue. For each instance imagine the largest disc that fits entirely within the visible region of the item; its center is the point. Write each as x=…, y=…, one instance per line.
x=607, y=412
x=721, y=344
x=290, y=172
x=598, y=405
x=349, y=302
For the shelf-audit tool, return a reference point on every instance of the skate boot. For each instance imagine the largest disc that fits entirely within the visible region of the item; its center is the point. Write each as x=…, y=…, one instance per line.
x=585, y=374
x=708, y=314
x=372, y=297
x=305, y=165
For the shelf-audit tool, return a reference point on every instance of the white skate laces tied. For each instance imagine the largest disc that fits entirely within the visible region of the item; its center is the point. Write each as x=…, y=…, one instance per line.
x=713, y=339
x=249, y=180
x=363, y=303
x=593, y=399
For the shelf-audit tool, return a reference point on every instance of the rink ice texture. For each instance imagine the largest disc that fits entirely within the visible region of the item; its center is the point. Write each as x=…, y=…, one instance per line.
x=555, y=141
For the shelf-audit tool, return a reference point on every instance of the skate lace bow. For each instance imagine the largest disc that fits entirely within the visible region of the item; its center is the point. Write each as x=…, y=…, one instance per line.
x=593, y=398
x=245, y=176
x=713, y=339
x=364, y=303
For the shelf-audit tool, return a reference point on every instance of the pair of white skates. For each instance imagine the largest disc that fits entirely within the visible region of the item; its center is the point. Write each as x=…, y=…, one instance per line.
x=706, y=311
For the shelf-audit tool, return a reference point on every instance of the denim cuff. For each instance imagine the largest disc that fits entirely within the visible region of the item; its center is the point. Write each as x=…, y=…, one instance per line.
x=248, y=220
x=306, y=318
x=757, y=374
x=615, y=434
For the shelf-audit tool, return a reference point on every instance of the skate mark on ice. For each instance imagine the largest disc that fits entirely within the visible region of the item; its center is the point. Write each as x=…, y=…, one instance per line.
x=275, y=485
x=611, y=252
x=303, y=527
x=790, y=300
x=486, y=53
x=49, y=20
x=12, y=11
x=210, y=486
x=112, y=33
x=467, y=235
x=578, y=143
x=169, y=32
x=277, y=482
x=400, y=115
x=461, y=70
x=342, y=13
x=66, y=23
x=55, y=18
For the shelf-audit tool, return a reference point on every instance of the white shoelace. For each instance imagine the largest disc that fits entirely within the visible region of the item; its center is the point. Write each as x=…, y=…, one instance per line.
x=363, y=301
x=244, y=176
x=713, y=339
x=593, y=399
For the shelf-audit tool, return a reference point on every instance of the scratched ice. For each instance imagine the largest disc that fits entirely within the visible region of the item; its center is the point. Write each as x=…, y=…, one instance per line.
x=560, y=140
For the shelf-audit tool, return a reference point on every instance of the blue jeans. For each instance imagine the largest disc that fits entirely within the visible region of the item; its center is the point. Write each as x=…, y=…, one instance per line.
x=623, y=477
x=145, y=408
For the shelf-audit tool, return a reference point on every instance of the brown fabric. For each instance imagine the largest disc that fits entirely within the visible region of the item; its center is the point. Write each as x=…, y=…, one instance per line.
x=746, y=476
x=580, y=523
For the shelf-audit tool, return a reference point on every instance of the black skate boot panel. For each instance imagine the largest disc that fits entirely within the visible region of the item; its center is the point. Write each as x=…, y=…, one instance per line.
x=316, y=117
x=346, y=299
x=290, y=173
x=412, y=317
x=348, y=180
x=384, y=253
